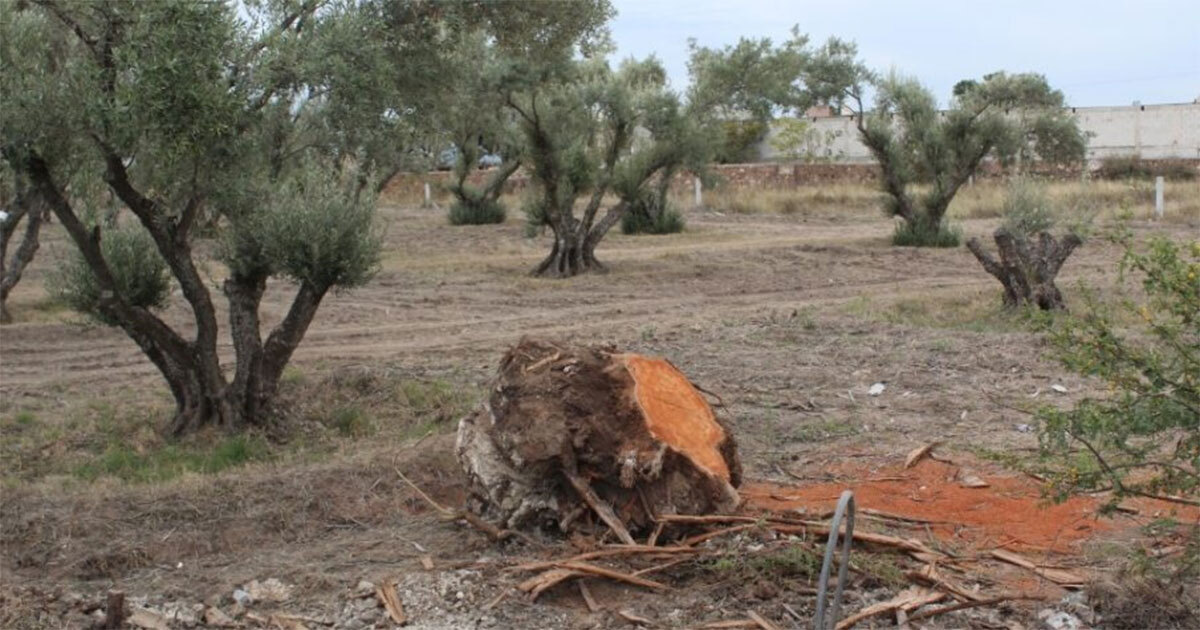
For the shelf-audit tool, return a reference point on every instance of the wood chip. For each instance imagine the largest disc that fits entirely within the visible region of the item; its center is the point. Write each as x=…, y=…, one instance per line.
x=761, y=621
x=732, y=623
x=968, y=479
x=427, y=562
x=917, y=454
x=1061, y=577
x=390, y=599
x=586, y=594
x=632, y=618
x=148, y=619
x=908, y=599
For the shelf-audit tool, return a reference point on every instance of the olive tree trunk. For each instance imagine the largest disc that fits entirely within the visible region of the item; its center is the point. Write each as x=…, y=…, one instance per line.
x=192, y=367
x=1027, y=269
x=26, y=205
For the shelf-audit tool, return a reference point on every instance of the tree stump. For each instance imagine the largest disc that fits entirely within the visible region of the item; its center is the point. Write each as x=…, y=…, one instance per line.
x=569, y=433
x=1027, y=270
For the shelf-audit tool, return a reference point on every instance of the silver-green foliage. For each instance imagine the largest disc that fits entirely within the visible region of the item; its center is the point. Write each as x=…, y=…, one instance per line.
x=141, y=275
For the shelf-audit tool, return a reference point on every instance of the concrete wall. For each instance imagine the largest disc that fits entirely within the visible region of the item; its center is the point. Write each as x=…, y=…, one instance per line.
x=1154, y=131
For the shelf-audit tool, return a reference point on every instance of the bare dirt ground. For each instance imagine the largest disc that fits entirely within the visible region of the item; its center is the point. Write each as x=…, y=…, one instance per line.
x=790, y=318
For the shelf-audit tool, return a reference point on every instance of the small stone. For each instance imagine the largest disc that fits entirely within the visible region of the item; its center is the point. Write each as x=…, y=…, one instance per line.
x=242, y=597
x=215, y=617
x=364, y=588
x=1058, y=620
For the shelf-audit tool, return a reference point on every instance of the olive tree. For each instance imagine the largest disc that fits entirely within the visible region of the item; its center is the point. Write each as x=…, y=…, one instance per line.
x=739, y=89
x=591, y=131
x=925, y=155
x=270, y=119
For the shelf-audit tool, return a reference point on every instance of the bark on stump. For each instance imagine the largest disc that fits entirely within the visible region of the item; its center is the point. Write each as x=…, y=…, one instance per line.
x=579, y=438
x=1027, y=269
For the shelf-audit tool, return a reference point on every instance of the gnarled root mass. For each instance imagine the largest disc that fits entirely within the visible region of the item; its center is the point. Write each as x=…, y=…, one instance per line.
x=579, y=438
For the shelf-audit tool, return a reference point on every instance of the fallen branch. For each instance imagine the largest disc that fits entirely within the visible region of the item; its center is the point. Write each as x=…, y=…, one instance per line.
x=909, y=599
x=971, y=604
x=603, y=553
x=1058, y=576
x=583, y=567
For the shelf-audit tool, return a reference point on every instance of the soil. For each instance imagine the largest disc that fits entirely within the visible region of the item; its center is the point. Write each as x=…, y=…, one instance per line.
x=790, y=319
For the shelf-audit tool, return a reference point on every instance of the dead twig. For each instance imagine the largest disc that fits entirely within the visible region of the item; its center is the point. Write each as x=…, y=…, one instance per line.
x=450, y=514
x=972, y=604
x=586, y=594
x=762, y=622
x=589, y=496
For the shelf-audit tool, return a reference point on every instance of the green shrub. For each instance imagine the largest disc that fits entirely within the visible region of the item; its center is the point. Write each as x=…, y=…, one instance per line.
x=477, y=212
x=141, y=275
x=1143, y=438
x=651, y=214
x=921, y=234
x=1026, y=208
x=536, y=217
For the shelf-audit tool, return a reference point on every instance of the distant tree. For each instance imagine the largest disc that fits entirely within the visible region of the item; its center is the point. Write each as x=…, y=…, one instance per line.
x=478, y=125
x=798, y=139
x=738, y=90
x=926, y=156
x=274, y=119
x=580, y=122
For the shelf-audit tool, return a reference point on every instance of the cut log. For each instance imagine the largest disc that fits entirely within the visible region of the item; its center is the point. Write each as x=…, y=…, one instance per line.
x=623, y=437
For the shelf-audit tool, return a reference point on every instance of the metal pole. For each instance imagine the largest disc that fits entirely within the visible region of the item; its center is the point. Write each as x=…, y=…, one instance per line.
x=845, y=508
x=1158, y=197
x=427, y=195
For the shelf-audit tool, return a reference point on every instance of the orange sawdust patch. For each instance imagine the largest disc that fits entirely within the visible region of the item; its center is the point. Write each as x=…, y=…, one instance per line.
x=676, y=413
x=1010, y=512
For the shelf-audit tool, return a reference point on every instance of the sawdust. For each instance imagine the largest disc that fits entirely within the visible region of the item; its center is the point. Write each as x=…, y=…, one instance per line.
x=1011, y=512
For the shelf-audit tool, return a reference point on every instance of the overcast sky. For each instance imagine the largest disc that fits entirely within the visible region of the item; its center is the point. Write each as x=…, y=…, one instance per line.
x=1102, y=52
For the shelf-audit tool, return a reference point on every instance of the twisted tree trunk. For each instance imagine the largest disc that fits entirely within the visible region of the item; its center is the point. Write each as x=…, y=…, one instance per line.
x=26, y=205
x=1027, y=270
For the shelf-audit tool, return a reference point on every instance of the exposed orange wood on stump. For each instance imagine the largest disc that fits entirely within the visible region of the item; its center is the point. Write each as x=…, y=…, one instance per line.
x=676, y=413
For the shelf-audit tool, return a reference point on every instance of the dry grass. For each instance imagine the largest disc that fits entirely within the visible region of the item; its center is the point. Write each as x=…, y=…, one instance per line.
x=827, y=201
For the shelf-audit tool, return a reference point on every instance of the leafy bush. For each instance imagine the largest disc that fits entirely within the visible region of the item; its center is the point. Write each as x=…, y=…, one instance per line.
x=477, y=212
x=536, y=216
x=1026, y=208
x=739, y=139
x=1145, y=437
x=651, y=214
x=921, y=234
x=141, y=275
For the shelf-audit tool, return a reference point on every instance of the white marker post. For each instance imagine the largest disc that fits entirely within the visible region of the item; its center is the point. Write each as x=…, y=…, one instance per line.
x=1158, y=198
x=427, y=195
x=699, y=195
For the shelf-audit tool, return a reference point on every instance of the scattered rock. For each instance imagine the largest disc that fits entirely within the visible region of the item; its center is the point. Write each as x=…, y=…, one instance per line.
x=215, y=617
x=365, y=588
x=876, y=389
x=268, y=590
x=242, y=597
x=1058, y=620
x=1059, y=388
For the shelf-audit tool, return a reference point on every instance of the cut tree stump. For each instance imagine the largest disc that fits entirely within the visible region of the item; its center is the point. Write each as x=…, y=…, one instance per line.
x=1027, y=268
x=583, y=438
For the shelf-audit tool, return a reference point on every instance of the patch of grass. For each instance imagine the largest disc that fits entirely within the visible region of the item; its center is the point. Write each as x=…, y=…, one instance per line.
x=479, y=212
x=828, y=200
x=170, y=461
x=908, y=234
x=793, y=561
x=975, y=311
x=821, y=430
x=24, y=418
x=292, y=376
x=351, y=421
